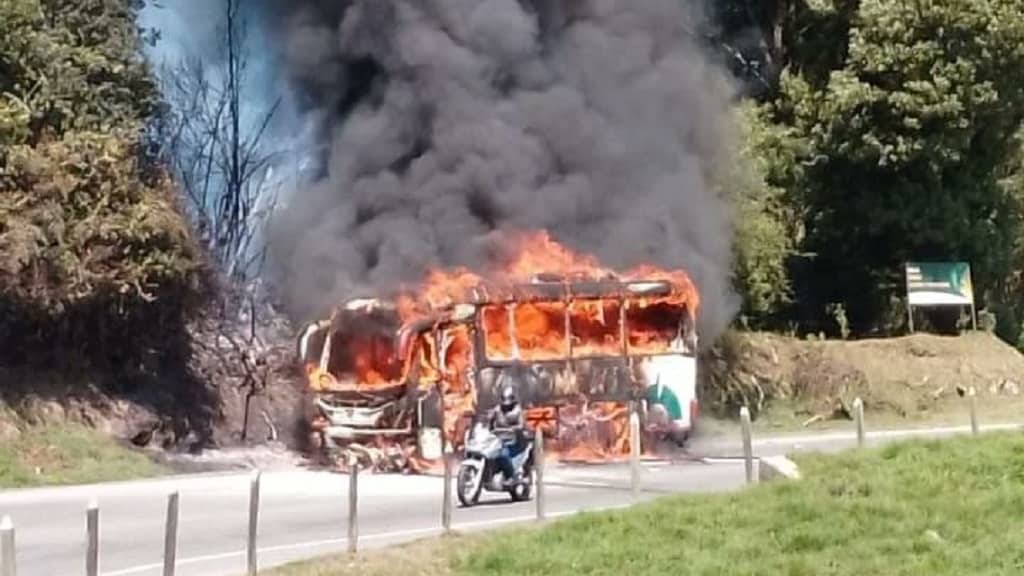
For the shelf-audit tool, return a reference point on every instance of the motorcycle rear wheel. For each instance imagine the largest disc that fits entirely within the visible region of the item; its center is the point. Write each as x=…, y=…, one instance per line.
x=521, y=492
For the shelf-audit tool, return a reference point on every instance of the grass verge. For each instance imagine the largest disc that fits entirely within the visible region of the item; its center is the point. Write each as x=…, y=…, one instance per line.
x=933, y=508
x=68, y=454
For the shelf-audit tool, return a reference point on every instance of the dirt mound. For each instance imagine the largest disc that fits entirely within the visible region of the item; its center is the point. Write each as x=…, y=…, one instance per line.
x=904, y=376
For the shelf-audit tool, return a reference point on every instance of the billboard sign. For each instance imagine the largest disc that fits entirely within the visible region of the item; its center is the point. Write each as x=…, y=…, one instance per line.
x=939, y=284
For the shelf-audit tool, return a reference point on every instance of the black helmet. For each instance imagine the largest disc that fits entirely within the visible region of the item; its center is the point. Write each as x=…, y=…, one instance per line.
x=508, y=398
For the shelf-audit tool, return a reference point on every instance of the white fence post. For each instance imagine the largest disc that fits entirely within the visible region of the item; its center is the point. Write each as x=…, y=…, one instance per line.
x=539, y=457
x=446, y=503
x=973, y=397
x=254, y=520
x=858, y=416
x=634, y=452
x=92, y=527
x=353, y=507
x=171, y=535
x=748, y=443
x=7, y=558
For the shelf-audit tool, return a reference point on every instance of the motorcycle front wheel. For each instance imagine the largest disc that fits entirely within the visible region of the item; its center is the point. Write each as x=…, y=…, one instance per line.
x=469, y=484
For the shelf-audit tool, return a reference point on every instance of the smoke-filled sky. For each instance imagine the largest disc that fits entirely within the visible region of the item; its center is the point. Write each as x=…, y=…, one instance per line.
x=442, y=123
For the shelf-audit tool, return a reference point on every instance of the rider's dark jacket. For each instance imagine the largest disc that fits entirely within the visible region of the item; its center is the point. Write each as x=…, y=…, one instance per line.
x=511, y=420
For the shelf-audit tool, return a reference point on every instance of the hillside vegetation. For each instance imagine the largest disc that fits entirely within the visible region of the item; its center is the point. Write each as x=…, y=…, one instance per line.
x=922, y=507
x=110, y=315
x=96, y=264
x=881, y=131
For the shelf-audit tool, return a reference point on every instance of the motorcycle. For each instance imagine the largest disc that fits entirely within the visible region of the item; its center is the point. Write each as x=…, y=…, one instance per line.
x=479, y=468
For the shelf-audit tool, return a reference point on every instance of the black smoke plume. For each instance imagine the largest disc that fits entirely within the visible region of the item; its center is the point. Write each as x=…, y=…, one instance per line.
x=443, y=123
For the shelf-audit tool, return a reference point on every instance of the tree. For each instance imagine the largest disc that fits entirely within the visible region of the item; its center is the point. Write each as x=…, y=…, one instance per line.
x=74, y=66
x=213, y=131
x=764, y=38
x=91, y=241
x=767, y=229
x=904, y=145
x=1007, y=296
x=218, y=149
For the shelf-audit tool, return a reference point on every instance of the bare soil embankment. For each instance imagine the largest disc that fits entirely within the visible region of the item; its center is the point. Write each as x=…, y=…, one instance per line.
x=922, y=378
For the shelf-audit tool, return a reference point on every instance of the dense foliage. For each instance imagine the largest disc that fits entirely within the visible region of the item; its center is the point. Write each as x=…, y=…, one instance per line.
x=92, y=246
x=892, y=129
x=765, y=238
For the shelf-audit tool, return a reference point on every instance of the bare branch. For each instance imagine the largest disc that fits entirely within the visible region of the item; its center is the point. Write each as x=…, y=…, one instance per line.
x=223, y=164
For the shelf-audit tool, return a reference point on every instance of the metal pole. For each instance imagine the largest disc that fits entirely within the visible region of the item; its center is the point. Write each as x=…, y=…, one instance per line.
x=446, y=509
x=858, y=416
x=634, y=452
x=171, y=535
x=539, y=456
x=910, y=307
x=748, y=443
x=353, y=508
x=254, y=519
x=7, y=559
x=972, y=395
x=92, y=527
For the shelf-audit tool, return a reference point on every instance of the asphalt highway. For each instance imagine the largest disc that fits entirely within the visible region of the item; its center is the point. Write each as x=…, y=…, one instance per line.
x=304, y=513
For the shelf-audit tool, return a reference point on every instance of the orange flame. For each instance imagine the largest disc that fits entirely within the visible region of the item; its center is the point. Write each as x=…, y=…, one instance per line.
x=532, y=330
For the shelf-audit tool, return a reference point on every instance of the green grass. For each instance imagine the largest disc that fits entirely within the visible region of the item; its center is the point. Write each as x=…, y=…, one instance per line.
x=928, y=508
x=68, y=454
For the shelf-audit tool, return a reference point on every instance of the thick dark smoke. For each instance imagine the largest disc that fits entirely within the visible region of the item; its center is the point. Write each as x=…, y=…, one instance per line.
x=446, y=122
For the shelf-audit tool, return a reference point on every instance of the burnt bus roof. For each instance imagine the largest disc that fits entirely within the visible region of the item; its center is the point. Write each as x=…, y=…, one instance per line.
x=553, y=288
x=384, y=317
x=541, y=288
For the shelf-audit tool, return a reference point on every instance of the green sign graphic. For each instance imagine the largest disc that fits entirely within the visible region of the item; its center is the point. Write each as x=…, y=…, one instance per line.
x=939, y=284
x=660, y=394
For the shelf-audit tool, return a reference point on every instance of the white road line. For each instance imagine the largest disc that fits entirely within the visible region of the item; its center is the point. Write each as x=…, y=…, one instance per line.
x=831, y=437
x=399, y=534
x=735, y=460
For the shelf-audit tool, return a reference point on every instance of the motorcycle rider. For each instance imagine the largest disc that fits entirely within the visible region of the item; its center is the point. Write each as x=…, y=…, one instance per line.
x=507, y=422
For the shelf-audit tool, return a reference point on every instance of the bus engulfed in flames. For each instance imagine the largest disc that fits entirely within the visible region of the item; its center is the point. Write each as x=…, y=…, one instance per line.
x=394, y=382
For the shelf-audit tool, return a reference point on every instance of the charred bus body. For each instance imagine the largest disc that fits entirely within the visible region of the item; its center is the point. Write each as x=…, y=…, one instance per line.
x=577, y=351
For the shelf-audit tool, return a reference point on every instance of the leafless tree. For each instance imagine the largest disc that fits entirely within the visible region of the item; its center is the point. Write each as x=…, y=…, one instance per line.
x=221, y=158
x=219, y=150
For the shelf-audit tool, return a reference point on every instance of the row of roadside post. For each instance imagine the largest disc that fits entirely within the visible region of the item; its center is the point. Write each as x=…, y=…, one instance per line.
x=746, y=429
x=92, y=556
x=8, y=565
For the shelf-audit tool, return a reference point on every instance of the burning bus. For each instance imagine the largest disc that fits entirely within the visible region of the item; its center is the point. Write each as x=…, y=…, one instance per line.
x=392, y=383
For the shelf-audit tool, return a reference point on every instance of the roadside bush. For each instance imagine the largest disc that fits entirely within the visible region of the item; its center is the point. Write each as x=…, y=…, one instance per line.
x=96, y=261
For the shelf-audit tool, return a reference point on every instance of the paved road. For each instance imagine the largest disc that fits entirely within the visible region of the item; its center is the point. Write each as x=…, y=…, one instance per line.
x=304, y=512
